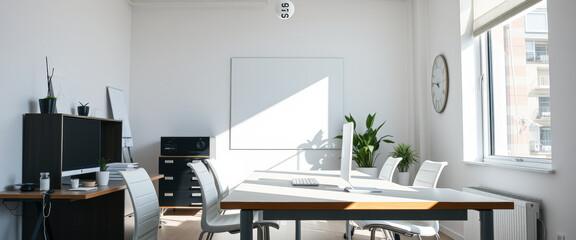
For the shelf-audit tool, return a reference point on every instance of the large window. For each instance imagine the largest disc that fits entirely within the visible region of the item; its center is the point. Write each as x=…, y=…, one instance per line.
x=516, y=94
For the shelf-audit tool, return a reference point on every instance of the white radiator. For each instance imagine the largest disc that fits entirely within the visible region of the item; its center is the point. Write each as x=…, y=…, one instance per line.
x=518, y=224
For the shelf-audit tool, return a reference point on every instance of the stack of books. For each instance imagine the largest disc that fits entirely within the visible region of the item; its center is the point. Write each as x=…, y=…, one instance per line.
x=116, y=167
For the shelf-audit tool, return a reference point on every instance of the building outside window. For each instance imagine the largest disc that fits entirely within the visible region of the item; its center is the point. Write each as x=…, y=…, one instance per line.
x=517, y=94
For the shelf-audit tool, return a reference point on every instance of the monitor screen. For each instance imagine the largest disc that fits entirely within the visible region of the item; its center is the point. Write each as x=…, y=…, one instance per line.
x=347, y=144
x=81, y=146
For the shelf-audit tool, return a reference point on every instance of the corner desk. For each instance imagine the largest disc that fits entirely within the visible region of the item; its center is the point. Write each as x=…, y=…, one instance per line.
x=95, y=214
x=273, y=193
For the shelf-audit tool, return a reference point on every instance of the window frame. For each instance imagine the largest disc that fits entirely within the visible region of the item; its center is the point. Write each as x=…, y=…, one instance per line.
x=487, y=116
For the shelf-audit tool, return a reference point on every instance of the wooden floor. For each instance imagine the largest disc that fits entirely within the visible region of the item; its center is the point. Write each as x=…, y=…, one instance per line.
x=186, y=225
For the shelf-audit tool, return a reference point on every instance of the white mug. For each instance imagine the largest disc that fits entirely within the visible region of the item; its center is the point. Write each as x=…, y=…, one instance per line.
x=75, y=183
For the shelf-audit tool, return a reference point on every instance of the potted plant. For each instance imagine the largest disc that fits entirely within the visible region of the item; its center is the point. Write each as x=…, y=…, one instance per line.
x=102, y=176
x=48, y=104
x=366, y=144
x=83, y=109
x=409, y=157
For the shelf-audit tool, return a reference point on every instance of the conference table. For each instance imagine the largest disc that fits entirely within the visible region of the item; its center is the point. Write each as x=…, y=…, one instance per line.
x=272, y=193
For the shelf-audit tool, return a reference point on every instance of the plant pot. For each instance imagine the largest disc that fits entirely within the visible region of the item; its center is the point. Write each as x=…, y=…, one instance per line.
x=83, y=110
x=370, y=171
x=404, y=178
x=102, y=178
x=47, y=105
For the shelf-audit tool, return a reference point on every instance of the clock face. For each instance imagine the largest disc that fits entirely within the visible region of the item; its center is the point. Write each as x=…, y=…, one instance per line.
x=439, y=87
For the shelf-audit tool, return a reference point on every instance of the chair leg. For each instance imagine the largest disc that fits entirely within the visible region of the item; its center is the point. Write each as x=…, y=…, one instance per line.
x=260, y=232
x=437, y=236
x=373, y=233
x=201, y=235
x=267, y=233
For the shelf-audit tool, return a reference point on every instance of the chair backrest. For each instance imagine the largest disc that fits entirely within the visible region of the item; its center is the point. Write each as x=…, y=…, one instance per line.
x=210, y=206
x=428, y=174
x=222, y=188
x=145, y=202
x=387, y=171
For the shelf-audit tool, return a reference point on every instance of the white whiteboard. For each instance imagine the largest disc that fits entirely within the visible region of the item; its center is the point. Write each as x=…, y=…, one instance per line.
x=119, y=112
x=286, y=103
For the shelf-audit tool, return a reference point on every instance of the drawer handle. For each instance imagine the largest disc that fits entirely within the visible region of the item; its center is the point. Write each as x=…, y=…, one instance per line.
x=168, y=178
x=168, y=194
x=168, y=161
x=195, y=187
x=195, y=204
x=196, y=195
x=194, y=178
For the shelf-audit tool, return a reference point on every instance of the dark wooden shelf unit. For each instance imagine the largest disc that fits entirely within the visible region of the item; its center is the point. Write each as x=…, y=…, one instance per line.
x=44, y=143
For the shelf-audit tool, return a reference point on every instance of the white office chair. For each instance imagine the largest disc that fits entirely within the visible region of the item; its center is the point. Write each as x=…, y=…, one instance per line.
x=427, y=177
x=212, y=219
x=221, y=188
x=145, y=202
x=386, y=174
x=224, y=189
x=387, y=171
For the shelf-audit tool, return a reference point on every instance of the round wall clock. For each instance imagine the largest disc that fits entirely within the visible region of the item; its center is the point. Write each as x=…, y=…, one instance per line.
x=439, y=87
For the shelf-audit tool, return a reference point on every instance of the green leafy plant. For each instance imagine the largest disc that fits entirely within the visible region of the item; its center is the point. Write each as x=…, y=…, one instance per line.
x=409, y=156
x=103, y=164
x=83, y=104
x=367, y=143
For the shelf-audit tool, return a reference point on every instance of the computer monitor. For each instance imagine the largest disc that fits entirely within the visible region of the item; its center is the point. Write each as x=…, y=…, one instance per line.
x=347, y=144
x=81, y=146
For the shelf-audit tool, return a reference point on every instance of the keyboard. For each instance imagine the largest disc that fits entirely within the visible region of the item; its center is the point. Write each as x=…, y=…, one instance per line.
x=304, y=182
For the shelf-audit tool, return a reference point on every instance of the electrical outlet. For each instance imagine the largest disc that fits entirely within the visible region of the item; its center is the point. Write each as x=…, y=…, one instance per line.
x=560, y=236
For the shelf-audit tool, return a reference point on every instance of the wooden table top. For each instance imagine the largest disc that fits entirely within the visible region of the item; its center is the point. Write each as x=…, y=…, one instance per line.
x=273, y=190
x=65, y=193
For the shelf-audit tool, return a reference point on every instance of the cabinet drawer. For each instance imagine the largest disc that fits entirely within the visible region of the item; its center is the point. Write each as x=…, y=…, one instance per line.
x=179, y=182
x=175, y=166
x=191, y=198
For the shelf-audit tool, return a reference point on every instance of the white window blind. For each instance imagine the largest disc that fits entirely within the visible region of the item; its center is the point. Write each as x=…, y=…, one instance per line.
x=489, y=13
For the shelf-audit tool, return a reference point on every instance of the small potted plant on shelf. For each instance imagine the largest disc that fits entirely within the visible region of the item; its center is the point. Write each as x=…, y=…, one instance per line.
x=102, y=176
x=409, y=157
x=366, y=144
x=48, y=104
x=83, y=109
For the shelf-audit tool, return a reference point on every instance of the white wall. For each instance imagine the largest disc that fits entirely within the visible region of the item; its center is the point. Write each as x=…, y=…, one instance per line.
x=181, y=71
x=88, y=44
x=446, y=130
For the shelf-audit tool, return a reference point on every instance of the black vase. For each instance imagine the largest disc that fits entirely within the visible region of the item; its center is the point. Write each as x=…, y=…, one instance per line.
x=47, y=105
x=83, y=110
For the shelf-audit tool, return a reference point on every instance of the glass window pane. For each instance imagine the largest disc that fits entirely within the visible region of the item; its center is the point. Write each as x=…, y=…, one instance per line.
x=520, y=103
x=536, y=22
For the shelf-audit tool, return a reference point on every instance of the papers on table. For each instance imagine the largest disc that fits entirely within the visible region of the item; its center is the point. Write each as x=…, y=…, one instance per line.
x=116, y=167
x=82, y=189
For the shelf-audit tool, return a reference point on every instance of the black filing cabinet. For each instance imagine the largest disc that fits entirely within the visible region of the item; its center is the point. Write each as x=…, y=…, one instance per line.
x=179, y=187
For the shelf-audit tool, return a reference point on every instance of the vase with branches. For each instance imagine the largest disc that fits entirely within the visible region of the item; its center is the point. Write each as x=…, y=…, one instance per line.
x=48, y=104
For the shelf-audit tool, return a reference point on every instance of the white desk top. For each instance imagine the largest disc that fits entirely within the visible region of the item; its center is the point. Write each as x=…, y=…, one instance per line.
x=273, y=190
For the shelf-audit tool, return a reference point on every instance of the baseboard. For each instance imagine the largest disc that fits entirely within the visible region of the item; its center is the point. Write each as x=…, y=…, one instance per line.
x=454, y=235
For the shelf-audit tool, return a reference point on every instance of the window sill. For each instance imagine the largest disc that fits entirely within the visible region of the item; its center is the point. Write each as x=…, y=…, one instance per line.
x=547, y=170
